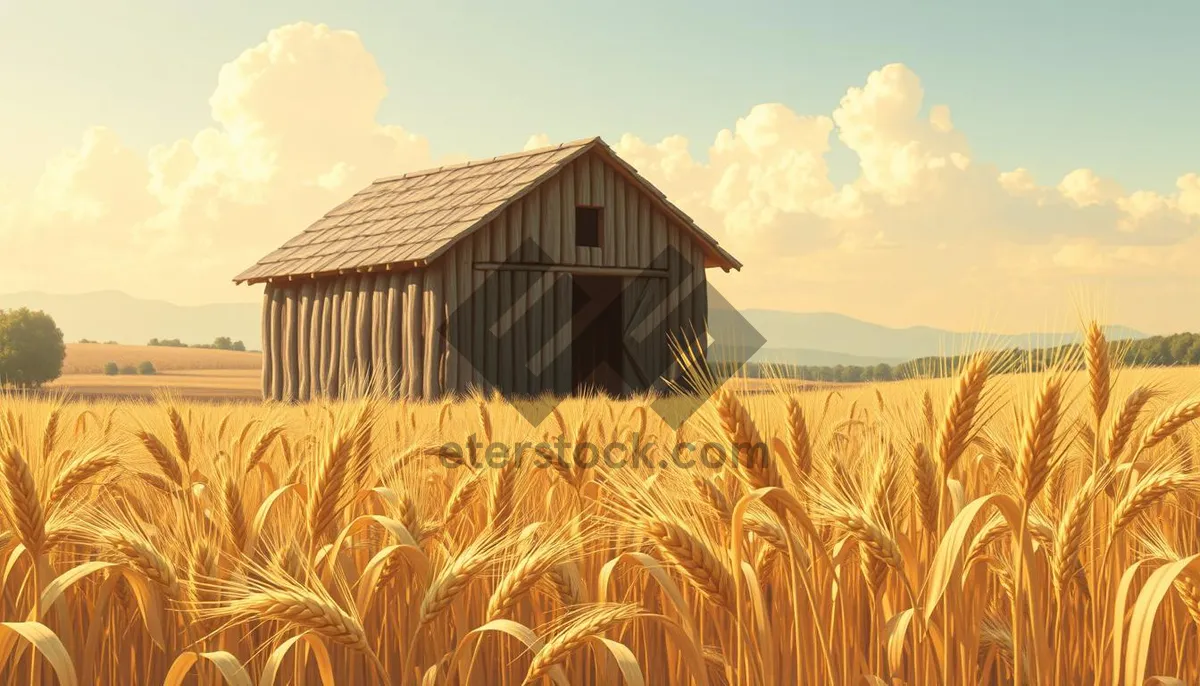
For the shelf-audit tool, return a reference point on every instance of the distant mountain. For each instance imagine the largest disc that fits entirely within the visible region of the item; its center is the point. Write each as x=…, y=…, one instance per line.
x=114, y=316
x=797, y=338
x=818, y=358
x=816, y=332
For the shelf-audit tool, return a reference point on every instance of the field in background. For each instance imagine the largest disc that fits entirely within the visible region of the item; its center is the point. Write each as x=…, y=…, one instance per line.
x=883, y=516
x=197, y=384
x=90, y=358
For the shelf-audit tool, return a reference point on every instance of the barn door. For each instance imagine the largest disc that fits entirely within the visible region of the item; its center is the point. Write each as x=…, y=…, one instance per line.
x=644, y=335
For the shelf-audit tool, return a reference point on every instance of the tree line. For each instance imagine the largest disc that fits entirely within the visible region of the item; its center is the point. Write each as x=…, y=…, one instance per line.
x=1156, y=351
x=219, y=343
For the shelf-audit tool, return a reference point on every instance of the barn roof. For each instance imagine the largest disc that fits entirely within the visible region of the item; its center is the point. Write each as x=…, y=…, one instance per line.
x=410, y=220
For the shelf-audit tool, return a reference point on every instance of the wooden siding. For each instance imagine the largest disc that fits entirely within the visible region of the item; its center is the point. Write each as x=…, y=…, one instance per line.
x=385, y=332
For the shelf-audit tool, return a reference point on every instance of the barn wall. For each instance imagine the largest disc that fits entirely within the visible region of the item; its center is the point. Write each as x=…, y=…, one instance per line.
x=540, y=228
x=345, y=336
x=339, y=337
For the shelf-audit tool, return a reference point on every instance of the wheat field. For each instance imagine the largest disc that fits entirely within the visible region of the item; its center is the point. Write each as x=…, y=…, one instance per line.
x=986, y=528
x=90, y=358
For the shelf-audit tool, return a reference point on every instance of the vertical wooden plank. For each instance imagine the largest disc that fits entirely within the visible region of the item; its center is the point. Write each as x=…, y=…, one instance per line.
x=633, y=204
x=432, y=311
x=414, y=340
x=464, y=315
x=506, y=353
x=290, y=368
x=630, y=289
x=303, y=336
x=644, y=228
x=333, y=361
x=551, y=214
x=657, y=259
x=348, y=363
x=450, y=308
x=583, y=196
x=499, y=236
x=608, y=240
x=541, y=333
x=562, y=285
x=699, y=297
x=530, y=231
x=687, y=320
x=658, y=240
x=599, y=194
x=521, y=325
x=362, y=319
x=486, y=314
x=526, y=300
x=277, y=307
x=379, y=334
x=583, y=179
x=552, y=233
x=614, y=249
x=516, y=232
x=404, y=331
x=391, y=339
x=675, y=289
x=266, y=344
x=316, y=340
x=566, y=230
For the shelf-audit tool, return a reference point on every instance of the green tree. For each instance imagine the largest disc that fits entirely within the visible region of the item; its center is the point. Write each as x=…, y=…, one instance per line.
x=111, y=369
x=882, y=372
x=147, y=368
x=32, y=349
x=223, y=343
x=239, y=346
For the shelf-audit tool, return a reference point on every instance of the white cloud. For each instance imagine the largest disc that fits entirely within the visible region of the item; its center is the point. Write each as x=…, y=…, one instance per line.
x=926, y=233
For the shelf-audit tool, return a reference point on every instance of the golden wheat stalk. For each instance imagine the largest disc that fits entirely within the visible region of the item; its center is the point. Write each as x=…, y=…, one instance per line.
x=455, y=577
x=524, y=575
x=799, y=441
x=955, y=429
x=183, y=445
x=695, y=559
x=595, y=621
x=1144, y=494
x=752, y=458
x=1099, y=369
x=143, y=556
x=263, y=445
x=1166, y=424
x=162, y=456
x=1037, y=456
x=327, y=486
x=304, y=608
x=1123, y=423
x=926, y=487
x=78, y=471
x=50, y=433
x=24, y=506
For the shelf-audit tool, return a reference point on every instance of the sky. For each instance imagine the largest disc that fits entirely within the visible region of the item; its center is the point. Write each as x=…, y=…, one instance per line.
x=948, y=164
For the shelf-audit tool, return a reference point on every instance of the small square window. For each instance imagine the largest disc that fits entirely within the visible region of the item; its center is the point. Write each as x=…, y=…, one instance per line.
x=587, y=227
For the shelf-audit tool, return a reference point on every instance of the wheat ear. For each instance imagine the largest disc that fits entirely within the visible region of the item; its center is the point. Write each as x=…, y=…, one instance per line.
x=593, y=622
x=162, y=456
x=24, y=507
x=955, y=429
x=695, y=559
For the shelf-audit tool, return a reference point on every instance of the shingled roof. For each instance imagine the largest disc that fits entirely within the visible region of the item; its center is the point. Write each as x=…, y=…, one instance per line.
x=411, y=220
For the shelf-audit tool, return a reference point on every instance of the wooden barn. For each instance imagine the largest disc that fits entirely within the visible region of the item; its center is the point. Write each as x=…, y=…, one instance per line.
x=548, y=270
